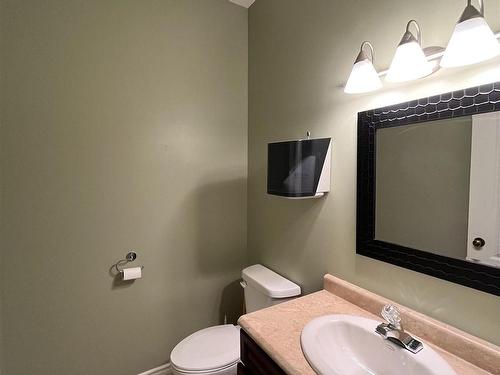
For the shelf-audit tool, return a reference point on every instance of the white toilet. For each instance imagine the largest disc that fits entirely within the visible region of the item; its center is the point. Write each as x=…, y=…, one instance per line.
x=216, y=350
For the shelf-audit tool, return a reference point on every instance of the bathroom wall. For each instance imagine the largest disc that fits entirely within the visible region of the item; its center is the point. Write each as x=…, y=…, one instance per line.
x=1, y=205
x=300, y=53
x=124, y=126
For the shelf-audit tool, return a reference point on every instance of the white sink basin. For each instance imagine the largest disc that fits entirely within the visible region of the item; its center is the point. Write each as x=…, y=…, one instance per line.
x=348, y=345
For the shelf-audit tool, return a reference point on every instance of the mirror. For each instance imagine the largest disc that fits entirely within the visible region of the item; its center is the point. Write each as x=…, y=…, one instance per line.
x=437, y=187
x=429, y=186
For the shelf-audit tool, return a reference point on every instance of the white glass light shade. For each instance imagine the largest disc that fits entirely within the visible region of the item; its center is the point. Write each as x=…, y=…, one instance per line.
x=472, y=41
x=363, y=78
x=409, y=63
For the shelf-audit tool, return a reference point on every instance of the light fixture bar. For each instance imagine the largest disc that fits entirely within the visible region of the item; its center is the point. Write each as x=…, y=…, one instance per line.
x=432, y=56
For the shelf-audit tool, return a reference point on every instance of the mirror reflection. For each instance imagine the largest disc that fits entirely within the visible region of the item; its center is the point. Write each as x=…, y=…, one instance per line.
x=437, y=187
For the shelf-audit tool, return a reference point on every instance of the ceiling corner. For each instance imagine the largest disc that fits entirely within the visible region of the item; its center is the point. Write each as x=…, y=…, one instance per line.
x=243, y=3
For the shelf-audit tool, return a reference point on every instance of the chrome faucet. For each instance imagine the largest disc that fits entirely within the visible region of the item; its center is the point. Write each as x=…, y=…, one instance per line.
x=394, y=332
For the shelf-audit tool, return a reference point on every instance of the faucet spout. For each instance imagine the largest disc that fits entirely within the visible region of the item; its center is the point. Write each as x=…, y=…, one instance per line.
x=394, y=332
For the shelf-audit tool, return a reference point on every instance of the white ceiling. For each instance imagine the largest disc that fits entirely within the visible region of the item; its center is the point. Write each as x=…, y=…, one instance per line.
x=243, y=3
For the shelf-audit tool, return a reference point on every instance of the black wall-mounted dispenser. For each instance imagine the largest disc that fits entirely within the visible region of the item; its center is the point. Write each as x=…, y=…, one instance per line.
x=300, y=168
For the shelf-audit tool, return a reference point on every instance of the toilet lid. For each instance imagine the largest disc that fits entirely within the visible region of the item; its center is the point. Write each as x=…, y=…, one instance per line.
x=209, y=348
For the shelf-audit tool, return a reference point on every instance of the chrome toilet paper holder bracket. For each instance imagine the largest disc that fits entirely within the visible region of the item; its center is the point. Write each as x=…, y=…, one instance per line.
x=130, y=257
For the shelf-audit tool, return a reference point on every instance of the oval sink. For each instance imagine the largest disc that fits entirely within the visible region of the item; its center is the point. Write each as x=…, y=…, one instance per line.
x=348, y=345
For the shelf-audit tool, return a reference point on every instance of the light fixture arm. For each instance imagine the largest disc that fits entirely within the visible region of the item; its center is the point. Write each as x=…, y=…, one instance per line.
x=417, y=27
x=370, y=46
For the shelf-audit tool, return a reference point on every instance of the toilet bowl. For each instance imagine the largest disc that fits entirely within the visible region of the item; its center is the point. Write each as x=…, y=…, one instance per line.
x=208, y=351
x=216, y=350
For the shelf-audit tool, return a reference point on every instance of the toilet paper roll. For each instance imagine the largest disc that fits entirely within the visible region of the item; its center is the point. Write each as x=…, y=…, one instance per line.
x=132, y=273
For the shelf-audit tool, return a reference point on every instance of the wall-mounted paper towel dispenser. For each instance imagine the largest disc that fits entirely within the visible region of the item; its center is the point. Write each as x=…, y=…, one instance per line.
x=299, y=169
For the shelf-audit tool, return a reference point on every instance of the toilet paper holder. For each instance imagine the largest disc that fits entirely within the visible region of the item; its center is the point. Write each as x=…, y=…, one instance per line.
x=130, y=257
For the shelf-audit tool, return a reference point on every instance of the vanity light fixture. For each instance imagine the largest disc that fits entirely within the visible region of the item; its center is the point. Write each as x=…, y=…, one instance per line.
x=472, y=40
x=409, y=61
x=363, y=77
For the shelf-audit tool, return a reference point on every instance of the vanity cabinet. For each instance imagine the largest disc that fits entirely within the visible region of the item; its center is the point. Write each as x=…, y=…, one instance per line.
x=254, y=361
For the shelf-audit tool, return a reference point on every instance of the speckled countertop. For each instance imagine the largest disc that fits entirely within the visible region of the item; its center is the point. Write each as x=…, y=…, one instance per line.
x=277, y=329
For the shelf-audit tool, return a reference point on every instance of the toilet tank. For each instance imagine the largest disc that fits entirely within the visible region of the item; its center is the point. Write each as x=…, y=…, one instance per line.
x=264, y=288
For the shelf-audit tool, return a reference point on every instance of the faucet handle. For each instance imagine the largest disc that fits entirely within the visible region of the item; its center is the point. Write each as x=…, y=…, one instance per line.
x=391, y=314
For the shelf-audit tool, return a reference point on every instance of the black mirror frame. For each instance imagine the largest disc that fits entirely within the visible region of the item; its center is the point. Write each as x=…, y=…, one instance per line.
x=471, y=101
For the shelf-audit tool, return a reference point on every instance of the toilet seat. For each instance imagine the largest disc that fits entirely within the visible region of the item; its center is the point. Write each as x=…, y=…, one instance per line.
x=229, y=370
x=210, y=350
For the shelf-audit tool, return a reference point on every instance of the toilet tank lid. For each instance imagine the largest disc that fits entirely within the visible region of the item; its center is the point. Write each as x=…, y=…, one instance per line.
x=269, y=282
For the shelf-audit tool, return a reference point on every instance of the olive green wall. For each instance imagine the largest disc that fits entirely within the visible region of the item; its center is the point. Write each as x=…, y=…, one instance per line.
x=1, y=173
x=300, y=52
x=124, y=125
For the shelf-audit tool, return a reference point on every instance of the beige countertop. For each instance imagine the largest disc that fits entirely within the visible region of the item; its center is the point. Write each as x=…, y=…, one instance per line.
x=277, y=329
